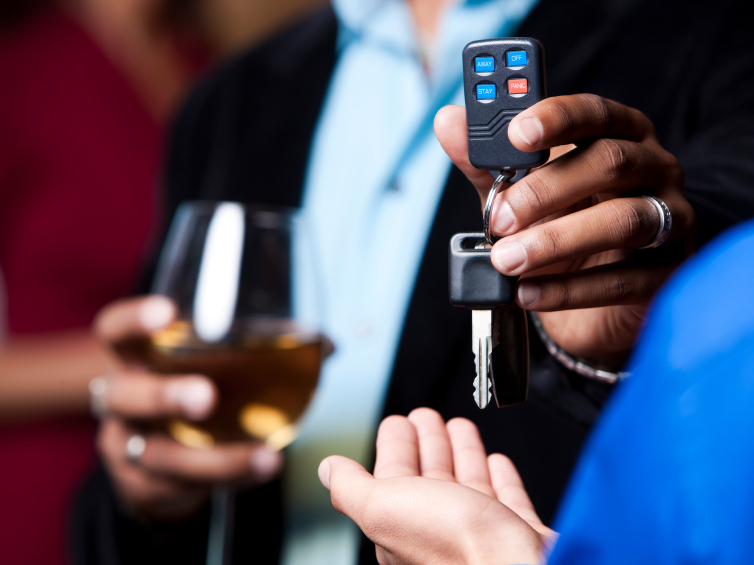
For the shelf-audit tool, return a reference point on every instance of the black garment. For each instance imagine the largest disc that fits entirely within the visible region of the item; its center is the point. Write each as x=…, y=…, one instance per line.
x=687, y=64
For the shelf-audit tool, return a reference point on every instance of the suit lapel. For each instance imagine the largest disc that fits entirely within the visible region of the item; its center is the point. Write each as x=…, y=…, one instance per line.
x=266, y=119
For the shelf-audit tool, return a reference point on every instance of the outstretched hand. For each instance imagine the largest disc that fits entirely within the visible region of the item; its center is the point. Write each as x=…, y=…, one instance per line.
x=436, y=497
x=572, y=228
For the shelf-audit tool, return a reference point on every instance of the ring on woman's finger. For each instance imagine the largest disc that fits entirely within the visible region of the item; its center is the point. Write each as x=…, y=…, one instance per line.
x=97, y=396
x=666, y=222
x=135, y=447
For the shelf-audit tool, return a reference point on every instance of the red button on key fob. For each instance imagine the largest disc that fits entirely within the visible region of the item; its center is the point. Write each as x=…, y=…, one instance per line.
x=518, y=86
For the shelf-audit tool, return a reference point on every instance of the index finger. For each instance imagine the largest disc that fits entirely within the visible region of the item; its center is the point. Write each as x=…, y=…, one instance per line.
x=451, y=132
x=134, y=317
x=570, y=119
x=397, y=449
x=138, y=395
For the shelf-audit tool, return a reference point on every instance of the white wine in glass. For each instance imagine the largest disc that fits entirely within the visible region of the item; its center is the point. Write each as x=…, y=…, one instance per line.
x=265, y=380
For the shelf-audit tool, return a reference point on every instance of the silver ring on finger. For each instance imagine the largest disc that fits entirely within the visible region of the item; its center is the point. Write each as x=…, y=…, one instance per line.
x=135, y=447
x=666, y=222
x=98, y=396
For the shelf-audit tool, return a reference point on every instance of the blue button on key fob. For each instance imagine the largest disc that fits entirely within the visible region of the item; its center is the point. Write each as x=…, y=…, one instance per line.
x=484, y=64
x=516, y=58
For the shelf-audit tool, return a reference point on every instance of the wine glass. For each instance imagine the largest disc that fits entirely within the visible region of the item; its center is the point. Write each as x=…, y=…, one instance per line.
x=243, y=281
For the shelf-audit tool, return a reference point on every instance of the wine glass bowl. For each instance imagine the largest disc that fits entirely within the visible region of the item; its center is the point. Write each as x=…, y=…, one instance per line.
x=246, y=319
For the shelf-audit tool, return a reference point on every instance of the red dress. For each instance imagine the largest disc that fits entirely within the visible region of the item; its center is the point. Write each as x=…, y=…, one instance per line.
x=78, y=160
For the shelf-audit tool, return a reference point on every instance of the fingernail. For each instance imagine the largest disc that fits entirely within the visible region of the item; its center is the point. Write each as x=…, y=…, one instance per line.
x=194, y=398
x=528, y=294
x=265, y=462
x=530, y=130
x=324, y=473
x=509, y=255
x=156, y=312
x=504, y=218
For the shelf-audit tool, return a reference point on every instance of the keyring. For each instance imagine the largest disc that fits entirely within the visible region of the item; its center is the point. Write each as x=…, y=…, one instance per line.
x=504, y=176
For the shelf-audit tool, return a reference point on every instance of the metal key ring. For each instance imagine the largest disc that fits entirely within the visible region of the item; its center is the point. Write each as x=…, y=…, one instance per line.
x=666, y=222
x=504, y=176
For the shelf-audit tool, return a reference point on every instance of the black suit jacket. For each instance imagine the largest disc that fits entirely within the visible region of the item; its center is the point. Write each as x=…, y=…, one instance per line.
x=688, y=65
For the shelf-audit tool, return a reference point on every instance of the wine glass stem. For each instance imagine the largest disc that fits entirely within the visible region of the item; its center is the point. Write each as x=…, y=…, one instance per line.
x=221, y=526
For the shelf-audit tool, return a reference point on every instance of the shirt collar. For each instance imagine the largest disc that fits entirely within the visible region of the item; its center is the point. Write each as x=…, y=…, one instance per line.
x=387, y=24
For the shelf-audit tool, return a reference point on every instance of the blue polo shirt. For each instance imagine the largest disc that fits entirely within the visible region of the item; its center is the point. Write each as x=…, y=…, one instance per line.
x=668, y=475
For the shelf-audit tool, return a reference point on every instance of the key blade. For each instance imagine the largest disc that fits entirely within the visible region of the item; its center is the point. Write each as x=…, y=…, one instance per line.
x=481, y=331
x=482, y=381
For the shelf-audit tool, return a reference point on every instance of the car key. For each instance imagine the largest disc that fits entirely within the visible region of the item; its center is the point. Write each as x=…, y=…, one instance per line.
x=499, y=328
x=502, y=78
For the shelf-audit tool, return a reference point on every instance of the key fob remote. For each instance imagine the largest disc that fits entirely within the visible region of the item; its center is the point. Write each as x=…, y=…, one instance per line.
x=502, y=77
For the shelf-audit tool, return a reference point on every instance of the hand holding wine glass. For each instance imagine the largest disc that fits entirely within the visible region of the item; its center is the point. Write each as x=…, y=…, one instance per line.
x=218, y=365
x=169, y=481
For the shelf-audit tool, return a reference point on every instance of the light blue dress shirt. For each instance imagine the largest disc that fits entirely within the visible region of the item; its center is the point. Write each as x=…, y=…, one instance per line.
x=667, y=477
x=375, y=178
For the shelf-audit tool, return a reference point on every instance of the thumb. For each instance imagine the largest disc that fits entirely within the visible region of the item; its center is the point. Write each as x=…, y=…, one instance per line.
x=349, y=484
